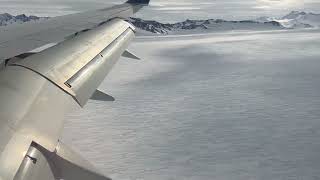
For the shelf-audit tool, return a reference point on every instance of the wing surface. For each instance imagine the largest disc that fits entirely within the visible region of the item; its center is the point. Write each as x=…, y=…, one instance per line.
x=50, y=69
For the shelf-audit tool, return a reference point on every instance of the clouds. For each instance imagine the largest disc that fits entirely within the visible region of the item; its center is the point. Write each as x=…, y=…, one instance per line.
x=168, y=11
x=226, y=9
x=275, y=4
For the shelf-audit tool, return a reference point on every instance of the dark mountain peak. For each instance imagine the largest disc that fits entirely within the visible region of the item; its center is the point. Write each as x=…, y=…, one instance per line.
x=6, y=19
x=294, y=14
x=22, y=17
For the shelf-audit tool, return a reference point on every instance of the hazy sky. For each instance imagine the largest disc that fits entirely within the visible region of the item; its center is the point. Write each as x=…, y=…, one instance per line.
x=169, y=10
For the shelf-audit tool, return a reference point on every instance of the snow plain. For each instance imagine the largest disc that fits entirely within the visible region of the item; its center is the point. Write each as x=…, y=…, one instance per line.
x=237, y=105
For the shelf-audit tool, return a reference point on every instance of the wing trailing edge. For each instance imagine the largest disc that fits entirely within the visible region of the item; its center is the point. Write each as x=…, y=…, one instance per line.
x=63, y=163
x=78, y=65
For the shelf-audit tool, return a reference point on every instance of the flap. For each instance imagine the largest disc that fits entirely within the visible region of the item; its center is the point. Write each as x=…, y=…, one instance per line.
x=71, y=166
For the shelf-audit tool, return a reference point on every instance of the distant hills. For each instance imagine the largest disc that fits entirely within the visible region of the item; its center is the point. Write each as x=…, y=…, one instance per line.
x=293, y=20
x=7, y=19
x=296, y=19
x=202, y=26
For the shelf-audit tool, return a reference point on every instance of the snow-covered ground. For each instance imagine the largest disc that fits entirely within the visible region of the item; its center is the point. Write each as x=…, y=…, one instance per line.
x=221, y=106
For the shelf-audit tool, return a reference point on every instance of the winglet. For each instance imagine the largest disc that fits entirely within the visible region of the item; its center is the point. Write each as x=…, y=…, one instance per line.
x=143, y=2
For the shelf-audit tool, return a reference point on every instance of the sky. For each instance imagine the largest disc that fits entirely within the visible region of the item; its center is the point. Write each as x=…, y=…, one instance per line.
x=169, y=11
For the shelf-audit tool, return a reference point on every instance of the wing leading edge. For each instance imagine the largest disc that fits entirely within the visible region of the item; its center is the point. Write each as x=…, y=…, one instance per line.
x=38, y=88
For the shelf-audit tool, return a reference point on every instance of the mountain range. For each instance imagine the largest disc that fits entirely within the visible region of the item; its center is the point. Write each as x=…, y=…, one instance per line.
x=199, y=26
x=293, y=20
x=296, y=19
x=7, y=19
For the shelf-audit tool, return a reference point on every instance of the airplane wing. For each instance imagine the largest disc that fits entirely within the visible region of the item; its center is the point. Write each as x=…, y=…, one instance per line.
x=21, y=38
x=49, y=69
